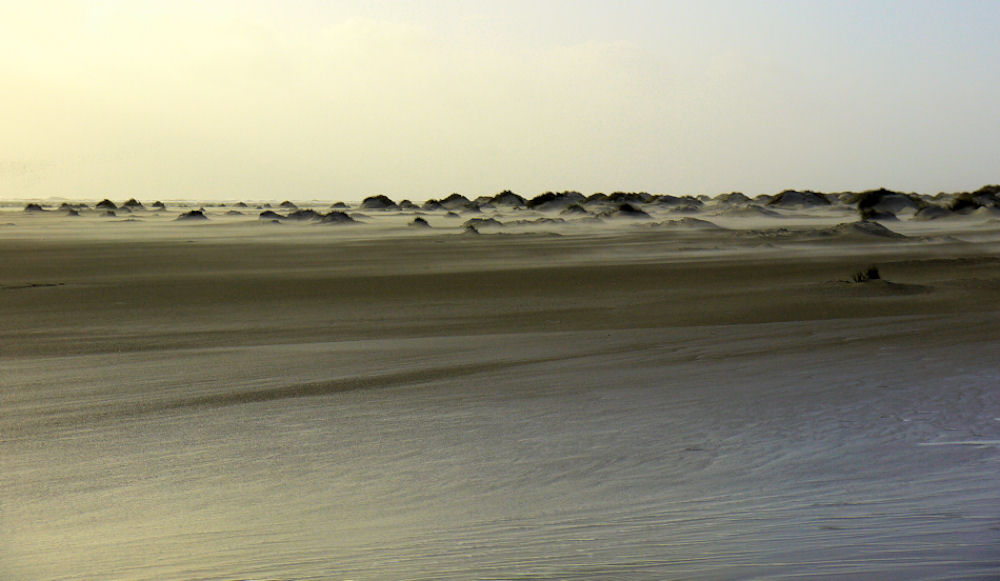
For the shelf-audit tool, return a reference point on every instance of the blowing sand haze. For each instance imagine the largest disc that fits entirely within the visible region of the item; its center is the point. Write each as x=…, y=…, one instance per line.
x=625, y=386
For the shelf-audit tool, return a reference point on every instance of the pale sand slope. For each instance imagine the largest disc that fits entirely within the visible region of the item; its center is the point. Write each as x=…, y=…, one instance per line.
x=228, y=403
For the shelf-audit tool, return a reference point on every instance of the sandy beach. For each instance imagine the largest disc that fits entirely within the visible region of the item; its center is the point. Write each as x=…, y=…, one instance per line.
x=699, y=393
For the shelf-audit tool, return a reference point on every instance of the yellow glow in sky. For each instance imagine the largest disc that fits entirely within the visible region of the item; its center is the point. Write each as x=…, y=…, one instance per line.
x=340, y=100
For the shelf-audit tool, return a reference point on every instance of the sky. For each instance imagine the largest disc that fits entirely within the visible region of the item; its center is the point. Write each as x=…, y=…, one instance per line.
x=339, y=100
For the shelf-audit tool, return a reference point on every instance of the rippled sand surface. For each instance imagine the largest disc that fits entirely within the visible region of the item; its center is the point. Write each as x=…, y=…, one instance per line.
x=243, y=400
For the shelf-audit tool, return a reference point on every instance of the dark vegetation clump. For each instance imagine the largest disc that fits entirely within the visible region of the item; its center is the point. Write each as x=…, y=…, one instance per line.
x=508, y=198
x=420, y=223
x=379, y=202
x=872, y=198
x=964, y=203
x=457, y=202
x=870, y=213
x=34, y=208
x=304, y=215
x=554, y=200
x=796, y=198
x=158, y=205
x=288, y=205
x=132, y=203
x=629, y=197
x=336, y=217
x=455, y=199
x=631, y=211
x=870, y=273
x=988, y=195
x=271, y=215
x=106, y=204
x=541, y=199
x=483, y=223
x=193, y=215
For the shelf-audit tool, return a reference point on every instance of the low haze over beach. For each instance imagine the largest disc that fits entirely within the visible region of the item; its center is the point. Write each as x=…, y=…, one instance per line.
x=560, y=290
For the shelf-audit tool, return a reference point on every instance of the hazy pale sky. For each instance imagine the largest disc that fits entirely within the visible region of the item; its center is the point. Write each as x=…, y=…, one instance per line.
x=332, y=100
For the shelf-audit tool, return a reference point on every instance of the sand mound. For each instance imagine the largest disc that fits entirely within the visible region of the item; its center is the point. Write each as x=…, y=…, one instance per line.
x=193, y=216
x=575, y=210
x=508, y=198
x=669, y=201
x=537, y=222
x=931, y=213
x=873, y=214
x=986, y=212
x=626, y=210
x=336, y=217
x=550, y=201
x=629, y=197
x=687, y=207
x=303, y=215
x=379, y=202
x=694, y=224
x=479, y=223
x=795, y=199
x=456, y=202
x=863, y=227
x=270, y=215
x=885, y=201
x=687, y=223
x=732, y=199
x=747, y=211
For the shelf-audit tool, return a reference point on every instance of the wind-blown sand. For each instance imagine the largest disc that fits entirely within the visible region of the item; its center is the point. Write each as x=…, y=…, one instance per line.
x=585, y=398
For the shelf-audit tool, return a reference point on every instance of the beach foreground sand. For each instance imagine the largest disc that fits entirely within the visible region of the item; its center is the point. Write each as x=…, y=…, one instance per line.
x=238, y=399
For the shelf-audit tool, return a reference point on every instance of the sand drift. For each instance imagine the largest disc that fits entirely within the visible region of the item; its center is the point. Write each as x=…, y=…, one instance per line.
x=628, y=386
